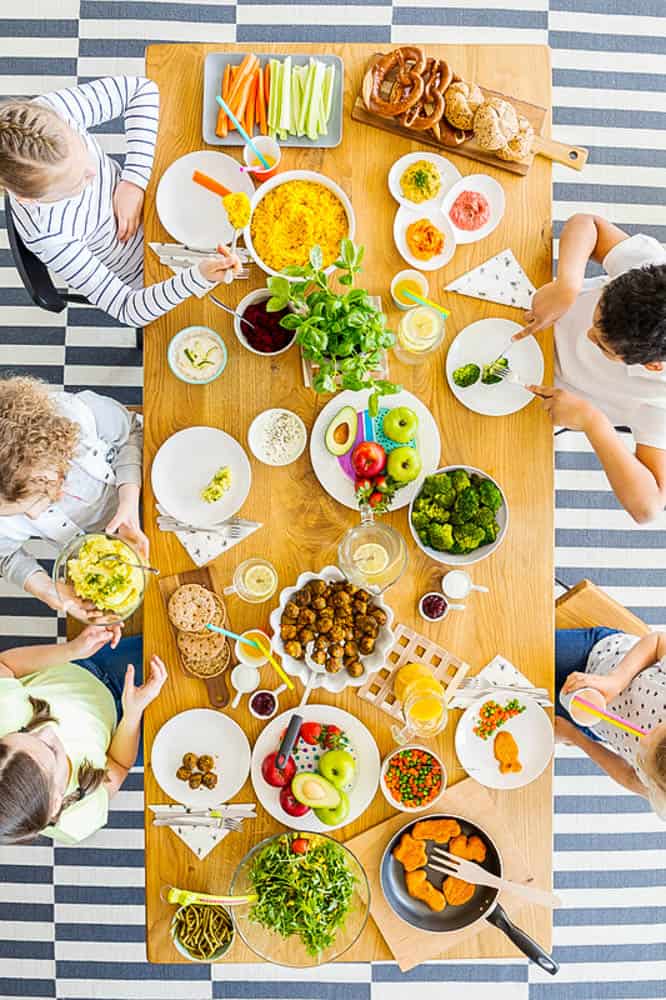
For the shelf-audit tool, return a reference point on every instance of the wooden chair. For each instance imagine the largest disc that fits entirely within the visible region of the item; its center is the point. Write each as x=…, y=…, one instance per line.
x=587, y=606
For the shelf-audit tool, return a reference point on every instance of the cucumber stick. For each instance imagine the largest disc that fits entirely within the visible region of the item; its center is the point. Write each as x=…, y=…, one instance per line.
x=301, y=98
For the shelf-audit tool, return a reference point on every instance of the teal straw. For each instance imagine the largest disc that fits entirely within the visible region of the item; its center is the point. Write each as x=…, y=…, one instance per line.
x=234, y=635
x=227, y=110
x=426, y=302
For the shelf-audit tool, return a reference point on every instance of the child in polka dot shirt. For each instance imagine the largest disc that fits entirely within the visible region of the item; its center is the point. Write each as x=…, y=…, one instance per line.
x=630, y=673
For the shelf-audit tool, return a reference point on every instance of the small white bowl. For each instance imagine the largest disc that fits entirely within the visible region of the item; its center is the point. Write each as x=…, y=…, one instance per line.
x=404, y=217
x=256, y=430
x=387, y=794
x=447, y=602
x=490, y=189
x=221, y=951
x=447, y=172
x=258, y=295
x=269, y=148
x=240, y=649
x=412, y=275
x=173, y=346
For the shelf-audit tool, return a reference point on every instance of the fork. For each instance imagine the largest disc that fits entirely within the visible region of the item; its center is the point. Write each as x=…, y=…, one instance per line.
x=477, y=684
x=226, y=823
x=452, y=864
x=507, y=374
x=230, y=529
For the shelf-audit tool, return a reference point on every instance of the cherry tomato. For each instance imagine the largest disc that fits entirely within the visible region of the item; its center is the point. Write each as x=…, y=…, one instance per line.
x=310, y=732
x=300, y=845
x=362, y=484
x=380, y=483
x=376, y=498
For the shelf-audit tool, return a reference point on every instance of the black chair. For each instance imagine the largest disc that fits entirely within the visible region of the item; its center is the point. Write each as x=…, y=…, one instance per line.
x=35, y=275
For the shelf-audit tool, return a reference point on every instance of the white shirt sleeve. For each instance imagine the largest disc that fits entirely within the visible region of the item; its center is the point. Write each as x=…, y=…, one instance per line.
x=122, y=428
x=637, y=251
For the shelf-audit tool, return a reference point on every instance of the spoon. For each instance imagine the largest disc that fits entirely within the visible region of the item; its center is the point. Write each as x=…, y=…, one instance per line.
x=232, y=312
x=315, y=670
x=119, y=559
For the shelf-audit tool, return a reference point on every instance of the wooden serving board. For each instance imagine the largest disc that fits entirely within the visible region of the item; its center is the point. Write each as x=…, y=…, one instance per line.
x=218, y=689
x=408, y=945
x=411, y=647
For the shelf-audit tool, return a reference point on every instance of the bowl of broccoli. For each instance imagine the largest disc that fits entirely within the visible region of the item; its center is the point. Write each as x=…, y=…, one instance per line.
x=459, y=516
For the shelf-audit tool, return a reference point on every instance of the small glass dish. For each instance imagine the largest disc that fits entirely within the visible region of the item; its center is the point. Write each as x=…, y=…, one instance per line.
x=136, y=580
x=179, y=946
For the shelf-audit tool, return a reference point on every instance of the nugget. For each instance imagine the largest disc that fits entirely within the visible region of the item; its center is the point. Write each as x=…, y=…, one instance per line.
x=183, y=774
x=205, y=762
x=439, y=830
x=189, y=761
x=419, y=887
x=209, y=779
x=506, y=753
x=456, y=891
x=410, y=853
x=472, y=848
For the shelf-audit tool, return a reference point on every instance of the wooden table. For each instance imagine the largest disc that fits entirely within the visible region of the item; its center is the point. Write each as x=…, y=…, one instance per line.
x=302, y=525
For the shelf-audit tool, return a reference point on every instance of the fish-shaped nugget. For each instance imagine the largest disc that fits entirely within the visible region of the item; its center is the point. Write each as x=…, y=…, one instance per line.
x=439, y=830
x=419, y=887
x=506, y=753
x=456, y=891
x=410, y=853
x=472, y=848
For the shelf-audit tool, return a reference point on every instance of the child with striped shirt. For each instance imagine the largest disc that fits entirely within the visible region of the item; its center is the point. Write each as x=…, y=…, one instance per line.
x=78, y=211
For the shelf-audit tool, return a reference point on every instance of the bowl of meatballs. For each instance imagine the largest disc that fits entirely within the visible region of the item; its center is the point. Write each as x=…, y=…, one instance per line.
x=343, y=627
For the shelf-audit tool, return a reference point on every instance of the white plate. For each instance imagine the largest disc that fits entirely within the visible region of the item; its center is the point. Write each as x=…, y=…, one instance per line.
x=200, y=731
x=486, y=186
x=327, y=468
x=532, y=731
x=447, y=172
x=372, y=662
x=364, y=750
x=480, y=343
x=186, y=463
x=255, y=436
x=404, y=217
x=191, y=214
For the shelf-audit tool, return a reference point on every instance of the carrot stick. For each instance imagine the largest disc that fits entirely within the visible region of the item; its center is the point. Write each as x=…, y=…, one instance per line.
x=238, y=104
x=252, y=103
x=210, y=183
x=245, y=70
x=261, y=104
x=222, y=126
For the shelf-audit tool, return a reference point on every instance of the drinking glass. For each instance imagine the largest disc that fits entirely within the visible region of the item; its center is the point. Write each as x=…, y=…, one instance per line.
x=372, y=555
x=420, y=332
x=255, y=581
x=425, y=713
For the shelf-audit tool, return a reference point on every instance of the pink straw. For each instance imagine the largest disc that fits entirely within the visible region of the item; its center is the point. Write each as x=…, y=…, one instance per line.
x=615, y=720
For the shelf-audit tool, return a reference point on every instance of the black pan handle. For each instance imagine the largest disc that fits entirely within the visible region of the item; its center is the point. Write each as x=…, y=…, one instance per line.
x=499, y=918
x=287, y=744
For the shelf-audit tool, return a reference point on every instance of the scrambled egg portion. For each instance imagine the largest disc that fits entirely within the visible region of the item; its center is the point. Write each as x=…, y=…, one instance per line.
x=237, y=206
x=109, y=584
x=218, y=486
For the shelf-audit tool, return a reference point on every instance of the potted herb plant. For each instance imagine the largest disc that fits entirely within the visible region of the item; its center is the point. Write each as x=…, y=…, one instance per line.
x=343, y=333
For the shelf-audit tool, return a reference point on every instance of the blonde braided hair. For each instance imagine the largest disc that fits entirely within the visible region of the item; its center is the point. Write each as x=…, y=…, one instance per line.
x=32, y=139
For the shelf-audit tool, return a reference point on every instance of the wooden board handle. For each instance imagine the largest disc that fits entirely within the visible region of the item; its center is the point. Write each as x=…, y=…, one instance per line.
x=218, y=690
x=571, y=156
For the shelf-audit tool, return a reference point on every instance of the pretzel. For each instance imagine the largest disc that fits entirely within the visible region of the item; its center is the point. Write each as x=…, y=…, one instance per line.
x=429, y=110
x=408, y=87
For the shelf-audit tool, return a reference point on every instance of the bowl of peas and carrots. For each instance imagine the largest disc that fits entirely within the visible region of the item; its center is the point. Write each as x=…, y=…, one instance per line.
x=412, y=778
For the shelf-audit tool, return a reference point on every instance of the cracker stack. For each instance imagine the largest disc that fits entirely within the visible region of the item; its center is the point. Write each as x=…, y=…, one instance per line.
x=191, y=608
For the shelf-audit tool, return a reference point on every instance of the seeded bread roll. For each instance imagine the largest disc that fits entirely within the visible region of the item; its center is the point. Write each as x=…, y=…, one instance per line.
x=462, y=101
x=520, y=147
x=495, y=124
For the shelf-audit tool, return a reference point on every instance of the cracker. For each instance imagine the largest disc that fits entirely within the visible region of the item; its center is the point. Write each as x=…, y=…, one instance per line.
x=210, y=668
x=191, y=607
x=201, y=646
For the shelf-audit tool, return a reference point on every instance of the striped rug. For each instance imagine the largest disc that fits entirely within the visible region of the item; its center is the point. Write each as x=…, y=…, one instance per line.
x=72, y=919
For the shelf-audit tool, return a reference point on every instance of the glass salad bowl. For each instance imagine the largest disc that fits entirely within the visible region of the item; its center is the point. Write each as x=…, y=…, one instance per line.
x=103, y=570
x=288, y=868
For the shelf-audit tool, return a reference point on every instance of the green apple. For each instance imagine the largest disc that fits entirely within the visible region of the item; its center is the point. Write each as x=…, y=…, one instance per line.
x=338, y=767
x=400, y=424
x=404, y=464
x=334, y=815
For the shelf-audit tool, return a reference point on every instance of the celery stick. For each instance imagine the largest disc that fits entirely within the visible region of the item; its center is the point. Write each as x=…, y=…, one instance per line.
x=296, y=96
x=285, y=96
x=315, y=102
x=329, y=86
x=307, y=97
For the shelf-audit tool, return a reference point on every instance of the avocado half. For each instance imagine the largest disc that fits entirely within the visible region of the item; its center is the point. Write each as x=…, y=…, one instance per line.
x=341, y=432
x=313, y=790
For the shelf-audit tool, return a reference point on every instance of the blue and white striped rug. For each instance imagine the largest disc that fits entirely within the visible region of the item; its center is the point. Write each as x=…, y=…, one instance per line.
x=72, y=919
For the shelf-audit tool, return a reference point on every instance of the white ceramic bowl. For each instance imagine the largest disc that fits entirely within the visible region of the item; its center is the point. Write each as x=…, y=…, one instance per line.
x=491, y=189
x=173, y=347
x=447, y=172
x=404, y=217
x=411, y=274
x=450, y=558
x=386, y=793
x=258, y=295
x=284, y=178
x=256, y=429
x=331, y=682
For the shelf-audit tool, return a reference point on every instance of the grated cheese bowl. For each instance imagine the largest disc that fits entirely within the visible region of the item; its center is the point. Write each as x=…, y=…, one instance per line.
x=258, y=428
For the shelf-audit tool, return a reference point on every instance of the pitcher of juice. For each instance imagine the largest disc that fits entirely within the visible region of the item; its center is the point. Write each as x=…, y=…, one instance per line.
x=424, y=706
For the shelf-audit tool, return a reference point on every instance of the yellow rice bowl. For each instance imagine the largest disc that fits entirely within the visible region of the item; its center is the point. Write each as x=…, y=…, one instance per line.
x=294, y=217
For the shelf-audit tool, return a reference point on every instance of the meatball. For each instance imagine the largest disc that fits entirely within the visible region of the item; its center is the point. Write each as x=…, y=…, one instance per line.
x=318, y=603
x=321, y=642
x=360, y=607
x=303, y=597
x=294, y=648
x=305, y=636
x=368, y=624
x=336, y=651
x=350, y=588
x=209, y=780
x=379, y=615
x=333, y=666
x=205, y=762
x=307, y=617
x=318, y=587
x=354, y=668
x=324, y=625
x=288, y=632
x=351, y=650
x=366, y=644
x=341, y=599
x=183, y=773
x=291, y=610
x=319, y=656
x=194, y=780
x=349, y=634
x=363, y=595
x=190, y=761
x=337, y=633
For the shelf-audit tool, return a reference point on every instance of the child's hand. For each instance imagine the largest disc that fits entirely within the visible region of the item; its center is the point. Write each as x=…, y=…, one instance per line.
x=213, y=268
x=91, y=640
x=128, y=206
x=565, y=408
x=548, y=304
x=126, y=522
x=136, y=699
x=607, y=686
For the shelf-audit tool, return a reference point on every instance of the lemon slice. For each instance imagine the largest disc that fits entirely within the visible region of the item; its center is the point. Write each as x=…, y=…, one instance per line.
x=260, y=581
x=371, y=558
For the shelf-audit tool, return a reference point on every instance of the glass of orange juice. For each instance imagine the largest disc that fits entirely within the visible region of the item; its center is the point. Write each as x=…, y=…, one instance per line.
x=253, y=656
x=424, y=710
x=270, y=150
x=408, y=281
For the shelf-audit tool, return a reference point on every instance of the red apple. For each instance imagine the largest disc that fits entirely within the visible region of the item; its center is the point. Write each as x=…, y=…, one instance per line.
x=368, y=459
x=274, y=777
x=291, y=805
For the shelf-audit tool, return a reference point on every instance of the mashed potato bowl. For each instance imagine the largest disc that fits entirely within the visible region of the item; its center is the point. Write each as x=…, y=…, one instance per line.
x=115, y=588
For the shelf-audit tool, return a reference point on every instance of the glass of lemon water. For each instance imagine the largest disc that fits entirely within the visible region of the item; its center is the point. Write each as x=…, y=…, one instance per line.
x=420, y=332
x=372, y=555
x=255, y=581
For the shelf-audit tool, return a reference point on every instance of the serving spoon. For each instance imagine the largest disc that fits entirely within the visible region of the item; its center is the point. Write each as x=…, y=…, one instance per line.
x=119, y=559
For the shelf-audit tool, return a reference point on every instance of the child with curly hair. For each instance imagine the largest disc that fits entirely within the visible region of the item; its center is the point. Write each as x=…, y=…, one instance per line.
x=68, y=464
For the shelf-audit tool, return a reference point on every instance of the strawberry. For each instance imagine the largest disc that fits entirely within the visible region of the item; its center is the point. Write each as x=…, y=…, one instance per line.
x=310, y=732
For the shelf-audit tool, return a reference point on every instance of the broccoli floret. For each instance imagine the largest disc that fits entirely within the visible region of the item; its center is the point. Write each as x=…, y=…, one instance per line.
x=489, y=374
x=467, y=504
x=475, y=479
x=424, y=535
x=460, y=480
x=491, y=530
x=457, y=550
x=420, y=519
x=441, y=537
x=421, y=503
x=469, y=536
x=439, y=515
x=466, y=375
x=484, y=516
x=489, y=495
x=439, y=486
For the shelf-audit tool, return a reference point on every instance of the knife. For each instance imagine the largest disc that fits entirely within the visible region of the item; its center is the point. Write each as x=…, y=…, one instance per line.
x=288, y=741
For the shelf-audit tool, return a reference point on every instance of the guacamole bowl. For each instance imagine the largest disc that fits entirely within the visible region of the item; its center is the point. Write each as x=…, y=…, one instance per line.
x=99, y=578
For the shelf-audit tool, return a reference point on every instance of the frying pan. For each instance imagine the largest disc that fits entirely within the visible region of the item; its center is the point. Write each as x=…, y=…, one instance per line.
x=484, y=904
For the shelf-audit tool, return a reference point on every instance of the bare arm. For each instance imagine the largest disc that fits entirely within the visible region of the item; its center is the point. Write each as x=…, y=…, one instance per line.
x=615, y=767
x=639, y=479
x=125, y=743
x=647, y=651
x=31, y=659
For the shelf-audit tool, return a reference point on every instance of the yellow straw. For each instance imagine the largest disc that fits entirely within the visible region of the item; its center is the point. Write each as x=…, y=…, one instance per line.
x=280, y=672
x=426, y=302
x=614, y=720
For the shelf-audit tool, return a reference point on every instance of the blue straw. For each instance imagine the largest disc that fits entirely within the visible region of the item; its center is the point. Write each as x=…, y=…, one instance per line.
x=225, y=107
x=235, y=635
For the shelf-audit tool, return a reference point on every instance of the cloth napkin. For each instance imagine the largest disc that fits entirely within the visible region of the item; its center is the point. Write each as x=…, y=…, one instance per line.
x=499, y=279
x=204, y=546
x=499, y=671
x=201, y=840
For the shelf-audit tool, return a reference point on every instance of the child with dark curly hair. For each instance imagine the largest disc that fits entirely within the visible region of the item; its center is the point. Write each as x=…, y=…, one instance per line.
x=610, y=338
